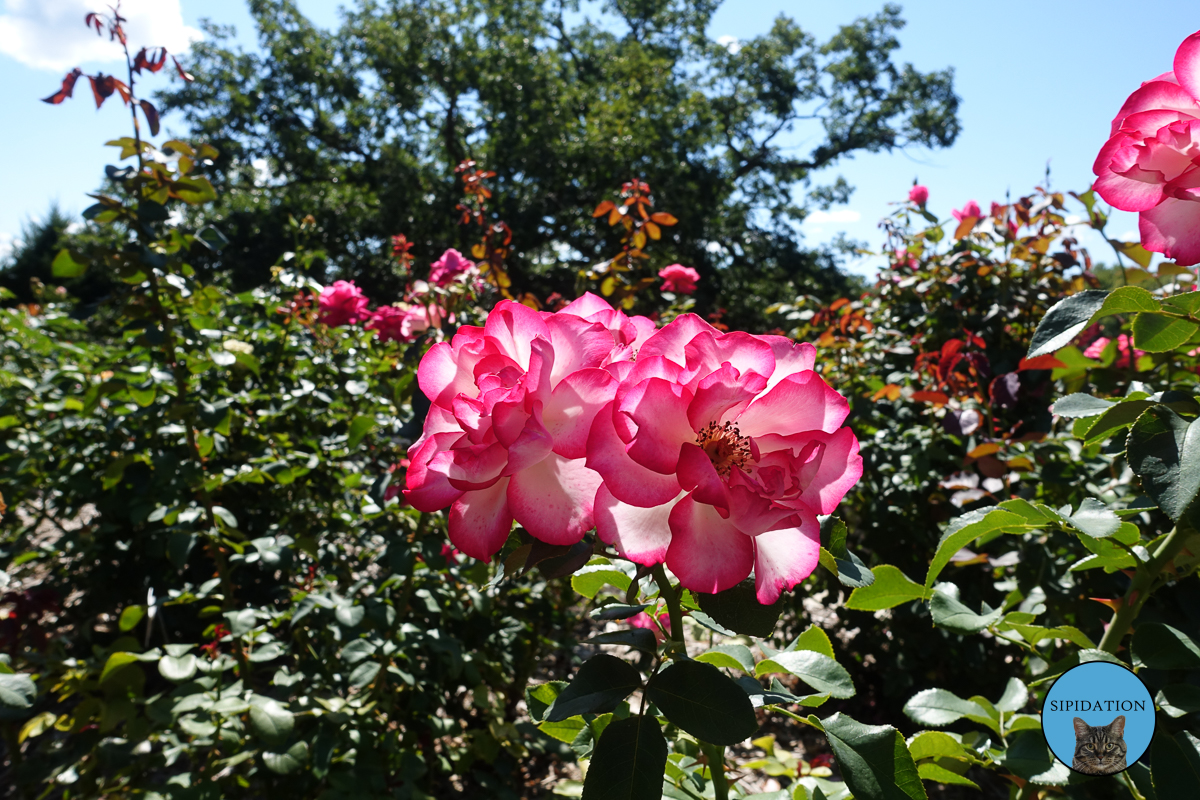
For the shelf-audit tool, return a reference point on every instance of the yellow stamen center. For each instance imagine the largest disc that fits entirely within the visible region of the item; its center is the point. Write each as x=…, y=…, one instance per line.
x=725, y=446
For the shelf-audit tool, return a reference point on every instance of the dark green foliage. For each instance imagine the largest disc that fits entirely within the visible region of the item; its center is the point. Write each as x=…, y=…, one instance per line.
x=202, y=552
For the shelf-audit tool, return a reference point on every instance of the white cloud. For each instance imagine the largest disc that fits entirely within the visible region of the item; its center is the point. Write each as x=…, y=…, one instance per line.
x=50, y=34
x=7, y=242
x=841, y=216
x=730, y=43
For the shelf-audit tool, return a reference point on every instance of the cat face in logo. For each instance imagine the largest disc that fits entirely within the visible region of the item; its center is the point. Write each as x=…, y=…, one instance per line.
x=1100, y=749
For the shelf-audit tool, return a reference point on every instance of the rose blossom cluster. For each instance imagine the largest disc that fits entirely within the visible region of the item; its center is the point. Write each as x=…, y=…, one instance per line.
x=343, y=303
x=1151, y=161
x=711, y=452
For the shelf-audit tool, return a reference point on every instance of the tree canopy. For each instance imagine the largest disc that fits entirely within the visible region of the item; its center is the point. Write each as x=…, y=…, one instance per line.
x=362, y=127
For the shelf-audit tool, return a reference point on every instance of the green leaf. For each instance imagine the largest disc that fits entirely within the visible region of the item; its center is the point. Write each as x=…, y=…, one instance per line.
x=1188, y=302
x=357, y=650
x=1015, y=696
x=67, y=265
x=729, y=656
x=363, y=674
x=349, y=616
x=566, y=731
x=1094, y=519
x=588, y=581
x=115, y=662
x=359, y=428
x=241, y=622
x=1179, y=699
x=935, y=744
x=1128, y=300
x=891, y=588
x=966, y=529
x=177, y=669
x=850, y=571
x=629, y=762
x=194, y=190
x=1119, y=417
x=637, y=638
x=288, y=761
x=1134, y=250
x=130, y=617
x=539, y=698
x=1175, y=765
x=817, y=670
x=1028, y=756
x=271, y=722
x=873, y=760
x=1158, y=333
x=703, y=701
x=17, y=691
x=952, y=615
x=1164, y=451
x=37, y=726
x=738, y=610
x=225, y=515
x=617, y=611
x=1065, y=320
x=1080, y=405
x=932, y=772
x=938, y=707
x=814, y=639
x=1160, y=646
x=601, y=683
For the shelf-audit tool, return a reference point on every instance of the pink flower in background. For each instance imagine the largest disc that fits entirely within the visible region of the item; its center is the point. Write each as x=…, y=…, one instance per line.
x=1124, y=347
x=403, y=322
x=448, y=267
x=971, y=209
x=718, y=451
x=644, y=620
x=1151, y=162
x=919, y=195
x=905, y=259
x=342, y=304
x=386, y=322
x=506, y=435
x=678, y=278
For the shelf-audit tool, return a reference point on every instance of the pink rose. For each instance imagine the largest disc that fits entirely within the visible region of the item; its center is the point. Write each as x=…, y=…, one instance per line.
x=1124, y=346
x=919, y=195
x=678, y=278
x=971, y=209
x=718, y=451
x=506, y=435
x=446, y=268
x=1151, y=163
x=629, y=333
x=403, y=322
x=342, y=304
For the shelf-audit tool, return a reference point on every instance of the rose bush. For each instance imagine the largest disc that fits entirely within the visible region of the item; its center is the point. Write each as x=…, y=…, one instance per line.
x=1151, y=161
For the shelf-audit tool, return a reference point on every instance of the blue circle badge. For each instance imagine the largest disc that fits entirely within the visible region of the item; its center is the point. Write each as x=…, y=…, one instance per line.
x=1098, y=718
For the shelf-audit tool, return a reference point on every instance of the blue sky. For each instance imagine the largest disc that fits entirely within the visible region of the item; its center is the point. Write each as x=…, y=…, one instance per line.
x=1040, y=82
